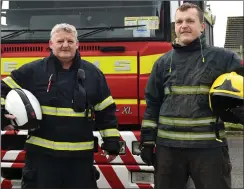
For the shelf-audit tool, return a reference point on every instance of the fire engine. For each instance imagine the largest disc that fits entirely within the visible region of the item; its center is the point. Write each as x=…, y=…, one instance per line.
x=123, y=39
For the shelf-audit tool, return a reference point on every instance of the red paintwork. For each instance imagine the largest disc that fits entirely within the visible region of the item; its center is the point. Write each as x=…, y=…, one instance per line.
x=122, y=86
x=142, y=85
x=141, y=111
x=144, y=48
x=128, y=119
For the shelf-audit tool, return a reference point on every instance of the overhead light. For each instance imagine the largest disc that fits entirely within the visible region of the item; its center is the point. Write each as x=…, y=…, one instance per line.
x=5, y=5
x=3, y=21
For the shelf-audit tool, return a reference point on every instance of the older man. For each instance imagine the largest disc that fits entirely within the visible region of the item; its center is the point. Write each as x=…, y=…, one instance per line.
x=70, y=90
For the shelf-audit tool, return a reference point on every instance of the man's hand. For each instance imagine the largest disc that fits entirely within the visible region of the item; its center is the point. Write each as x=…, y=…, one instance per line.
x=147, y=153
x=110, y=149
x=239, y=113
x=9, y=127
x=110, y=158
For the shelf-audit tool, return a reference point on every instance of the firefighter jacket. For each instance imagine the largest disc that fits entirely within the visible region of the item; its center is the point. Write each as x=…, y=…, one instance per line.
x=73, y=103
x=177, y=112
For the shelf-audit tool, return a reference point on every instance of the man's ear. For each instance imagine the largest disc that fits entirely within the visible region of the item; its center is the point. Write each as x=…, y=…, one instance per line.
x=50, y=44
x=203, y=25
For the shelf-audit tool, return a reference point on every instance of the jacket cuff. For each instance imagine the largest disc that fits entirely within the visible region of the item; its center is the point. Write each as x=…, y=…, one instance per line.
x=148, y=135
x=111, y=139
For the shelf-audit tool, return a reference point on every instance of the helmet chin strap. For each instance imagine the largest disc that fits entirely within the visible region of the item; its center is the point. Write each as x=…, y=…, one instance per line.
x=15, y=125
x=216, y=129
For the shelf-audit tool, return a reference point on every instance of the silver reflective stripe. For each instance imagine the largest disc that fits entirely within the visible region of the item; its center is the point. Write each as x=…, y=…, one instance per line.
x=186, y=121
x=149, y=123
x=68, y=146
x=186, y=90
x=104, y=104
x=110, y=133
x=189, y=135
x=47, y=110
x=11, y=83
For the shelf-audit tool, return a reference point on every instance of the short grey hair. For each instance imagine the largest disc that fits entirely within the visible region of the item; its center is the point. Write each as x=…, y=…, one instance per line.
x=64, y=27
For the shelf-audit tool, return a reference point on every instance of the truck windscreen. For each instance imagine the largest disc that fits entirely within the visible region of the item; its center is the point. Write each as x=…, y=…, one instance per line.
x=43, y=15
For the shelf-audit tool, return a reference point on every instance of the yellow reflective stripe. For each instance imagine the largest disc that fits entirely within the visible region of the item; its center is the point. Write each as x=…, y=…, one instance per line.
x=149, y=123
x=10, y=82
x=109, y=133
x=104, y=104
x=107, y=64
x=186, y=90
x=47, y=110
x=68, y=146
x=186, y=121
x=126, y=101
x=189, y=135
x=2, y=101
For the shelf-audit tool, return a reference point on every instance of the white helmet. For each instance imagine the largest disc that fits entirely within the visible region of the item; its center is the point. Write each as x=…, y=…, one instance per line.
x=25, y=107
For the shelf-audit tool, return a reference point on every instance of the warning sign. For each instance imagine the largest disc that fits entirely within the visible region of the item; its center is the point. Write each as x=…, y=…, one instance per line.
x=150, y=22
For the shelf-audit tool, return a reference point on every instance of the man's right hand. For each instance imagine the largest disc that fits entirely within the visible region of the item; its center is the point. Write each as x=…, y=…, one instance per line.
x=9, y=127
x=147, y=153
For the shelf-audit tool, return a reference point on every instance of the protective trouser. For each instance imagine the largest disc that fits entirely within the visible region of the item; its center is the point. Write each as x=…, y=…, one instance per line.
x=43, y=171
x=209, y=168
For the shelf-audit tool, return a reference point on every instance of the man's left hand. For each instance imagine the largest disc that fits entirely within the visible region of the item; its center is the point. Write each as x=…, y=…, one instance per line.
x=239, y=113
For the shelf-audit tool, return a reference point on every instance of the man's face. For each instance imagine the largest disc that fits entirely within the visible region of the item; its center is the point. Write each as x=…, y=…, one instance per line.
x=63, y=45
x=188, y=26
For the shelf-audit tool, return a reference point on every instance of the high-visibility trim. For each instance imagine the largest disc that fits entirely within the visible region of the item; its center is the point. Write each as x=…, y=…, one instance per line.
x=185, y=90
x=11, y=83
x=104, y=104
x=126, y=101
x=2, y=101
x=107, y=64
x=189, y=135
x=109, y=133
x=149, y=123
x=69, y=112
x=186, y=121
x=67, y=146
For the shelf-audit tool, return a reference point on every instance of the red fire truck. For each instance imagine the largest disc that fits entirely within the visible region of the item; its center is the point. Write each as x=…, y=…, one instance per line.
x=123, y=39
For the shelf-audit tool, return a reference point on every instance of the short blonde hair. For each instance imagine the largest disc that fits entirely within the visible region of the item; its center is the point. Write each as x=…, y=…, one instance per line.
x=185, y=6
x=64, y=27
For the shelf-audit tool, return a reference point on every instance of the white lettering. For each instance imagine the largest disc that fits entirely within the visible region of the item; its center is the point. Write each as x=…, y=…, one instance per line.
x=9, y=66
x=97, y=64
x=122, y=65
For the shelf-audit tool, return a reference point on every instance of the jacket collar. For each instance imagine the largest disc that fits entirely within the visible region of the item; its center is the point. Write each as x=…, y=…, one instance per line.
x=53, y=61
x=198, y=44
